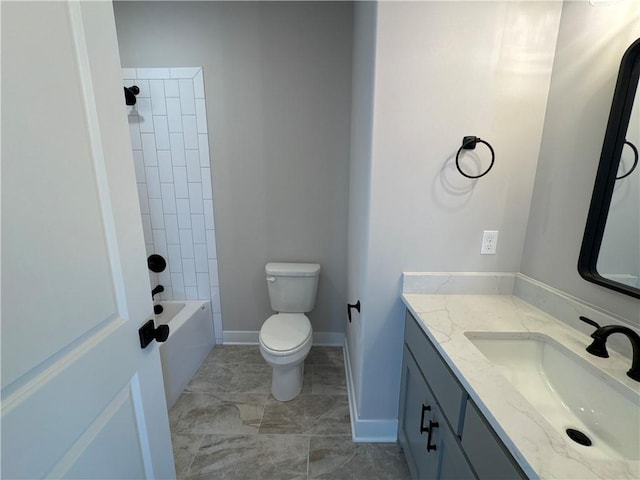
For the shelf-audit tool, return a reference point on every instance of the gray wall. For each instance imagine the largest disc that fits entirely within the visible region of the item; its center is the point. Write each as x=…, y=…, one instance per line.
x=591, y=42
x=278, y=86
x=443, y=70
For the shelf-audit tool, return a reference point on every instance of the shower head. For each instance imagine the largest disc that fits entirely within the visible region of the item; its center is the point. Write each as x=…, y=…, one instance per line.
x=130, y=94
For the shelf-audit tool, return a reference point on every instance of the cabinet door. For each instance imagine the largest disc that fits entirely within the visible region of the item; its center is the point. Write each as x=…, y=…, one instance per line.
x=417, y=407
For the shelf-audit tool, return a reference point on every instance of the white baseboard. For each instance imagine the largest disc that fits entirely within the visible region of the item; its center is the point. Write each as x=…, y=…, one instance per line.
x=242, y=337
x=366, y=430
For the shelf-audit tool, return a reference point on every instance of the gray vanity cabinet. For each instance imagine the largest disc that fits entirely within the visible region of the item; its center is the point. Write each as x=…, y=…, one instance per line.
x=442, y=433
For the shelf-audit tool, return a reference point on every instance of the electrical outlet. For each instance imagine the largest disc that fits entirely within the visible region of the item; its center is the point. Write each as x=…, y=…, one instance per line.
x=489, y=242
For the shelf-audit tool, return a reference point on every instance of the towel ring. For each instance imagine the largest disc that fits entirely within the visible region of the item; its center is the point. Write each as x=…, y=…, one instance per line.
x=469, y=143
x=635, y=160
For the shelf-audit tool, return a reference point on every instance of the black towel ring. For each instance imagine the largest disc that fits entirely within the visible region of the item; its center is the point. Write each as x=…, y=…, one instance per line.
x=635, y=160
x=469, y=143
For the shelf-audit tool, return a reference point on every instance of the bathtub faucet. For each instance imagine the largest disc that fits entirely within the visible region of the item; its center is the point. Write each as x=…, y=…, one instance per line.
x=157, y=290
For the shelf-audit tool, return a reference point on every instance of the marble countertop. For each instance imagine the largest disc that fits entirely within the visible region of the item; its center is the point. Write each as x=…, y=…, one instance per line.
x=539, y=449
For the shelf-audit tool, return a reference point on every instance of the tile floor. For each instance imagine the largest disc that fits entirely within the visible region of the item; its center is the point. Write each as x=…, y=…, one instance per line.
x=226, y=424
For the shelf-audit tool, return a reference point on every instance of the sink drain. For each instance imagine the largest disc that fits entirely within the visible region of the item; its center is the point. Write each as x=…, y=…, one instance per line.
x=578, y=437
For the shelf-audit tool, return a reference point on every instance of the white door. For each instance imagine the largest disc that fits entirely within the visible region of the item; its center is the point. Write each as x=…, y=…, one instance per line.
x=80, y=398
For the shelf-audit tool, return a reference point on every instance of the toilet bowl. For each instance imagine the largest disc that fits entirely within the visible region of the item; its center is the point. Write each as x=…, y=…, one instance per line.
x=285, y=342
x=286, y=337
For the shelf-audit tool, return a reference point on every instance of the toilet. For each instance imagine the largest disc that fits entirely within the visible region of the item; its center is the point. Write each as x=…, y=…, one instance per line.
x=286, y=337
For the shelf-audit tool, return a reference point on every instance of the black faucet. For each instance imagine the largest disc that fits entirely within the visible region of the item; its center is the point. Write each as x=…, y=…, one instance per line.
x=599, y=348
x=157, y=290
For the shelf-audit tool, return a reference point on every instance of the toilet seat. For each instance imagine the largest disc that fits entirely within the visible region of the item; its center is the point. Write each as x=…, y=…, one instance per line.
x=285, y=333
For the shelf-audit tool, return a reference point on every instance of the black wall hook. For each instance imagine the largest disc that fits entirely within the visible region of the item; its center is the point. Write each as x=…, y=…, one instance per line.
x=469, y=143
x=350, y=306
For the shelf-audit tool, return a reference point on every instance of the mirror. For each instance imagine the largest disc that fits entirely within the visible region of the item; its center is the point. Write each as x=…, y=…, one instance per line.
x=610, y=252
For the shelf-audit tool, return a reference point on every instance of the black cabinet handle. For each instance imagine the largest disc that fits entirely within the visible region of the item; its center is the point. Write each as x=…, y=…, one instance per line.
x=432, y=425
x=350, y=306
x=425, y=408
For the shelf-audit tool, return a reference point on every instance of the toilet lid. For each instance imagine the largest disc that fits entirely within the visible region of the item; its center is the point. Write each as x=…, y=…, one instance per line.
x=285, y=331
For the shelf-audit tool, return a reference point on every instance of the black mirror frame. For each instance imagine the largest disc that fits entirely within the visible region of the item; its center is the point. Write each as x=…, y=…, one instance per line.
x=621, y=107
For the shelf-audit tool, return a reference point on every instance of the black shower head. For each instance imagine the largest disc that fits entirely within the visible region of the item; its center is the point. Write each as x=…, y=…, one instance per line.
x=130, y=94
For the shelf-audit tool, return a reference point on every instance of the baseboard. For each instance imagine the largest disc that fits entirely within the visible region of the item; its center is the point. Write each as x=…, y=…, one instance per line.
x=366, y=430
x=243, y=337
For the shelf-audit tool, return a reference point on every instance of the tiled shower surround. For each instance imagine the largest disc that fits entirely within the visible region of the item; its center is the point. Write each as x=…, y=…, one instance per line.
x=170, y=144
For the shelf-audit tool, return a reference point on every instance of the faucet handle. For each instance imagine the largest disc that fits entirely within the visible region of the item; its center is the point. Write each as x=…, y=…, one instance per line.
x=589, y=321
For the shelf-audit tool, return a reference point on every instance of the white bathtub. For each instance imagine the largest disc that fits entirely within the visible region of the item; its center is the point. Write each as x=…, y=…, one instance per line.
x=190, y=340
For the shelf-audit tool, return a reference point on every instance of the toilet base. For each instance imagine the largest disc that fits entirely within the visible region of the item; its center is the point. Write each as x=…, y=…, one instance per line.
x=286, y=381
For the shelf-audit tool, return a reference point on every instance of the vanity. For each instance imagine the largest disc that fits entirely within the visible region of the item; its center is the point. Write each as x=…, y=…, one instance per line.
x=493, y=387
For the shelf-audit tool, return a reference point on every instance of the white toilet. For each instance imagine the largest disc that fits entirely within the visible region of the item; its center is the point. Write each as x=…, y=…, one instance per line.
x=285, y=338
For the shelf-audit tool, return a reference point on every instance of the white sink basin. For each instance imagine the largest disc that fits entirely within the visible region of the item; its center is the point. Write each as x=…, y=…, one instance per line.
x=567, y=391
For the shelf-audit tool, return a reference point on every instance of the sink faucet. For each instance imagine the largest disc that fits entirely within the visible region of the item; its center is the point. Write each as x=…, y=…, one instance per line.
x=599, y=348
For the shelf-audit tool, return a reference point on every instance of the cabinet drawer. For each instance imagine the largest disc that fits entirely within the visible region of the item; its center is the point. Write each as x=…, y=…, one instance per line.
x=485, y=450
x=451, y=396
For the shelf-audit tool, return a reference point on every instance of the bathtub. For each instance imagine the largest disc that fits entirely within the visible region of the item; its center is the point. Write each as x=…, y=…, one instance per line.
x=190, y=340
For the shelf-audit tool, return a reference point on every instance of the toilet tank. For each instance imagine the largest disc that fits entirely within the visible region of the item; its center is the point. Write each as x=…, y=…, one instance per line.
x=292, y=286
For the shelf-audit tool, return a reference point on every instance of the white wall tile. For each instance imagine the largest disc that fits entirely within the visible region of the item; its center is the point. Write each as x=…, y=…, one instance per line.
x=202, y=280
x=200, y=258
x=187, y=101
x=195, y=198
x=190, y=131
x=166, y=295
x=149, y=151
x=215, y=299
x=168, y=198
x=138, y=165
x=165, y=168
x=134, y=132
x=184, y=213
x=160, y=242
x=186, y=244
x=177, y=282
x=208, y=216
x=177, y=149
x=213, y=273
x=156, y=212
x=201, y=115
x=158, y=106
x=161, y=130
x=143, y=85
x=128, y=73
x=153, y=182
x=184, y=72
x=203, y=146
x=145, y=119
x=146, y=228
x=164, y=278
x=174, y=258
x=211, y=244
x=180, y=182
x=205, y=175
x=193, y=166
x=171, y=89
x=198, y=84
x=143, y=198
x=189, y=272
x=171, y=229
x=191, y=293
x=153, y=73
x=172, y=164
x=198, y=230
x=174, y=115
